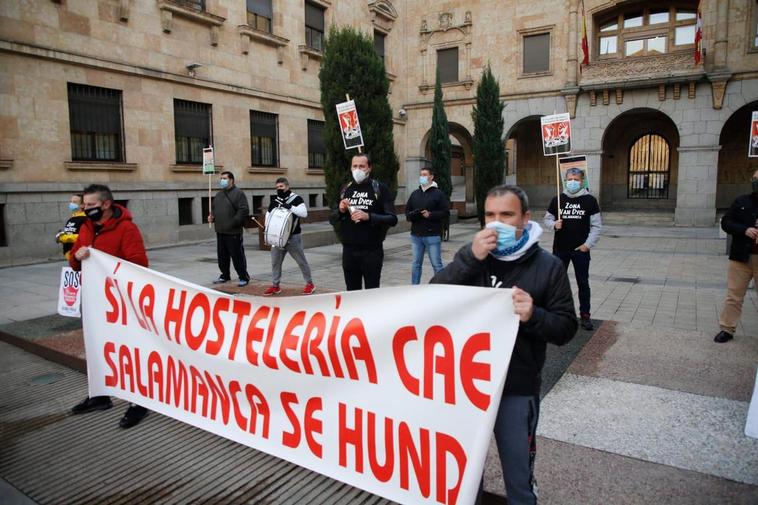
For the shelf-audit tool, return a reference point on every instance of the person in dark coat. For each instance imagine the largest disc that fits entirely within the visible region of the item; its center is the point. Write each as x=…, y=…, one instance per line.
x=506, y=254
x=230, y=210
x=426, y=210
x=365, y=211
x=741, y=222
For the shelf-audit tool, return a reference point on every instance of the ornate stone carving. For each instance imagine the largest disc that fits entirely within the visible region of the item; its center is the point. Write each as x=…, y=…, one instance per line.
x=383, y=14
x=447, y=35
x=661, y=92
x=446, y=20
x=619, y=96
x=638, y=72
x=691, y=89
x=570, y=104
x=606, y=97
x=593, y=98
x=677, y=90
x=719, y=90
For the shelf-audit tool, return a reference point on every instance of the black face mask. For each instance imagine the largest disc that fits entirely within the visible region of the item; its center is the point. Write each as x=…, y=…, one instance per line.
x=95, y=213
x=281, y=193
x=755, y=187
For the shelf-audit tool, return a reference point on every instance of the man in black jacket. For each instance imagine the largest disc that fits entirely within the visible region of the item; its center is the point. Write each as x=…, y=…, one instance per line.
x=366, y=209
x=741, y=222
x=229, y=212
x=426, y=209
x=506, y=254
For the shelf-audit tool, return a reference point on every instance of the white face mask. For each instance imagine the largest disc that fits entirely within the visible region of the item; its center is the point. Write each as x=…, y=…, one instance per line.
x=359, y=175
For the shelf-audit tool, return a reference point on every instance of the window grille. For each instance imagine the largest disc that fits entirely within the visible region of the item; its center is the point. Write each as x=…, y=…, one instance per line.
x=95, y=123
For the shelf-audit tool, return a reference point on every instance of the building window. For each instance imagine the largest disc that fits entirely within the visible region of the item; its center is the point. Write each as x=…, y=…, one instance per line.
x=198, y=5
x=648, y=175
x=312, y=200
x=257, y=204
x=314, y=26
x=447, y=64
x=95, y=123
x=260, y=14
x=263, y=143
x=754, y=28
x=379, y=44
x=646, y=32
x=192, y=130
x=536, y=53
x=185, y=211
x=316, y=145
x=3, y=240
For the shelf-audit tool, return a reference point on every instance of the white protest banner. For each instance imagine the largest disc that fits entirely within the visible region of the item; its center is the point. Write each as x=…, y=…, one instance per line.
x=70, y=293
x=349, y=125
x=751, y=423
x=392, y=390
x=556, y=134
x=752, y=151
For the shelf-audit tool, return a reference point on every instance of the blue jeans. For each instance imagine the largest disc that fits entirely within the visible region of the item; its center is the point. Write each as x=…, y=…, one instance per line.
x=433, y=246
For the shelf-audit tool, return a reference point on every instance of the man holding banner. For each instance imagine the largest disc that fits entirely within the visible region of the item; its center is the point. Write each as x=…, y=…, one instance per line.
x=110, y=227
x=577, y=229
x=506, y=254
x=366, y=209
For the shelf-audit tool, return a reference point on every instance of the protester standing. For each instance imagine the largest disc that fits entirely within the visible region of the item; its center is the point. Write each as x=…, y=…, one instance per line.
x=365, y=211
x=577, y=230
x=109, y=228
x=427, y=209
x=506, y=254
x=230, y=210
x=292, y=202
x=741, y=222
x=70, y=232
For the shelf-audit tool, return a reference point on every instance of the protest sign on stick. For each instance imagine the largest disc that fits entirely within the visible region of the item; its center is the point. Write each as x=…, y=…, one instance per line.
x=556, y=140
x=350, y=126
x=209, y=169
x=392, y=390
x=752, y=151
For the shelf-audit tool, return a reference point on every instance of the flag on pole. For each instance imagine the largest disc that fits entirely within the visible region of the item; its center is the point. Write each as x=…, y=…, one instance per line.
x=585, y=44
x=698, y=37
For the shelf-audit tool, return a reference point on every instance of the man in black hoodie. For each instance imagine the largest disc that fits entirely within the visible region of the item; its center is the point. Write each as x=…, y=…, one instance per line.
x=229, y=212
x=426, y=209
x=506, y=254
x=741, y=222
x=366, y=209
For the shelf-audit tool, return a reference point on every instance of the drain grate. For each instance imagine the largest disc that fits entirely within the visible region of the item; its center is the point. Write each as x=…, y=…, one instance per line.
x=631, y=280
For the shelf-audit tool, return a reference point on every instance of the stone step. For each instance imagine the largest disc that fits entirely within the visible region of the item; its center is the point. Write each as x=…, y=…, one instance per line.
x=639, y=218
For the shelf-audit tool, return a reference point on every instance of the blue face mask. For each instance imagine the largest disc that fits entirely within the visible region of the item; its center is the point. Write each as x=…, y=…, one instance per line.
x=223, y=183
x=73, y=207
x=573, y=186
x=423, y=180
x=506, y=237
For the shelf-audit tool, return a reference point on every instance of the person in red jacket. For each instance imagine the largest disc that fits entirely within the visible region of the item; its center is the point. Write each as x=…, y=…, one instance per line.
x=109, y=228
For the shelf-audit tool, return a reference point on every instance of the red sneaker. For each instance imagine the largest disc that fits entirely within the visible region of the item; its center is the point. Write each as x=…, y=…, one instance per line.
x=309, y=289
x=272, y=290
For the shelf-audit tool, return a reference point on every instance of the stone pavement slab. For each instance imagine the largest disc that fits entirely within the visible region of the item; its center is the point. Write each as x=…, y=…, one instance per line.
x=671, y=358
x=683, y=430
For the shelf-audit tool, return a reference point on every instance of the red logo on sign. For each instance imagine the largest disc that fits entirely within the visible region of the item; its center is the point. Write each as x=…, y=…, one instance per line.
x=69, y=295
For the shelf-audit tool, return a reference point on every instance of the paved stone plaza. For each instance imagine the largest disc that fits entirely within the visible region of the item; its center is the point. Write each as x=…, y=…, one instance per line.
x=647, y=409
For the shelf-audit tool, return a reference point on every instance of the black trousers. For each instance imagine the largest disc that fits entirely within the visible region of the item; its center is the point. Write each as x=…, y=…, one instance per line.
x=229, y=247
x=362, y=266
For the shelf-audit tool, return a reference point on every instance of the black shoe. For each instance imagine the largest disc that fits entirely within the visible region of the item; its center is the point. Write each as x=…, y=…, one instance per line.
x=92, y=404
x=586, y=323
x=133, y=415
x=723, y=336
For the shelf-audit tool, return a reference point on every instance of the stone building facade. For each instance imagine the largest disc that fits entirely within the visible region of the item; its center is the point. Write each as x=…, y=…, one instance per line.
x=169, y=75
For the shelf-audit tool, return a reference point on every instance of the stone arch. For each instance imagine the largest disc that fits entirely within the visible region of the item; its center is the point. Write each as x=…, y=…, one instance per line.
x=461, y=169
x=734, y=166
x=622, y=188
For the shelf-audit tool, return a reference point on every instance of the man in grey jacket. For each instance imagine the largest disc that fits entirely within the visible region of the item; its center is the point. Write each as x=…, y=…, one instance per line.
x=229, y=212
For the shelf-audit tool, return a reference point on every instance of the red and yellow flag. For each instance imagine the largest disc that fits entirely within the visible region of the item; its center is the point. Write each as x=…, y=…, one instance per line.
x=585, y=44
x=698, y=37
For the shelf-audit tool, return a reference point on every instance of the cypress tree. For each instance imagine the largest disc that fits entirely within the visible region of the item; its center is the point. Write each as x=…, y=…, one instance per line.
x=439, y=142
x=350, y=65
x=489, y=153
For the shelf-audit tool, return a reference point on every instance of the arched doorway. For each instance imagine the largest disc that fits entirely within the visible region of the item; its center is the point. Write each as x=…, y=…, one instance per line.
x=461, y=168
x=526, y=165
x=734, y=166
x=640, y=161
